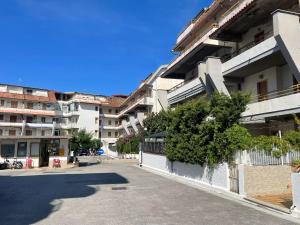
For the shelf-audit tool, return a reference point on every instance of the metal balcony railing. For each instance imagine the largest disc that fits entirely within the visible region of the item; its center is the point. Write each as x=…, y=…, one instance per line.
x=181, y=84
x=276, y=94
x=247, y=46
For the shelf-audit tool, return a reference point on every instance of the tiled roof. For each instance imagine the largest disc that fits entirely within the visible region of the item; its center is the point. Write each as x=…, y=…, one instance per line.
x=115, y=101
x=50, y=98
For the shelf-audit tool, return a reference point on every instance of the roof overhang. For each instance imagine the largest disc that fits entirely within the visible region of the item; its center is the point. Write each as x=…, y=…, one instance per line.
x=253, y=14
x=275, y=59
x=191, y=60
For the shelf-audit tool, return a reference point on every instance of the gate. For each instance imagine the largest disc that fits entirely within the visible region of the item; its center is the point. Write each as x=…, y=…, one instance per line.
x=234, y=178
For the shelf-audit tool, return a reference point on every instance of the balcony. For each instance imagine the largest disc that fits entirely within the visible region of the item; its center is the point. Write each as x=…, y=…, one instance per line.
x=274, y=103
x=184, y=91
x=250, y=54
x=25, y=111
x=142, y=101
x=111, y=127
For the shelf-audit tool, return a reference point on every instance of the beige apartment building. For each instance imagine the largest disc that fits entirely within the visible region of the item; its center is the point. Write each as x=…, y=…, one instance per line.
x=28, y=126
x=243, y=45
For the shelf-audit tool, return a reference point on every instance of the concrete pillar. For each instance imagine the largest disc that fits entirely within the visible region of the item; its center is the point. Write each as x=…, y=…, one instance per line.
x=133, y=124
x=124, y=124
x=287, y=32
x=214, y=75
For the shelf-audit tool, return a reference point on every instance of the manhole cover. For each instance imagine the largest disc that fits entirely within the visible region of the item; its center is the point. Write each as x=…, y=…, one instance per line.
x=118, y=188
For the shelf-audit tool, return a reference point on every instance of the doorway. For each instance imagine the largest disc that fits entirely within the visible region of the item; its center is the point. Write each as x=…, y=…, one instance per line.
x=44, y=156
x=262, y=90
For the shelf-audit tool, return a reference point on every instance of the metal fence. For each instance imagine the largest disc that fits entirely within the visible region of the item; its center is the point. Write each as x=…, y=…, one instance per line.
x=262, y=158
x=153, y=147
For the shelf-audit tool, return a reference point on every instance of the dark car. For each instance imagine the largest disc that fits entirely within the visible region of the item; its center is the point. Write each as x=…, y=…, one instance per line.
x=83, y=152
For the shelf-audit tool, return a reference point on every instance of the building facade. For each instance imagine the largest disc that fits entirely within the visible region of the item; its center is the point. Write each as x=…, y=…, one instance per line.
x=243, y=46
x=149, y=97
x=28, y=126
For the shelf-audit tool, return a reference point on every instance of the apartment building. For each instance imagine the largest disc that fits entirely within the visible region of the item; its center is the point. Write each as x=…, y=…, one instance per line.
x=79, y=111
x=28, y=126
x=110, y=123
x=149, y=97
x=247, y=45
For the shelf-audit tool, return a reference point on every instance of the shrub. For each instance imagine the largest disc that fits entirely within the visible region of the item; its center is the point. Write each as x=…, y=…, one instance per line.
x=293, y=137
x=271, y=144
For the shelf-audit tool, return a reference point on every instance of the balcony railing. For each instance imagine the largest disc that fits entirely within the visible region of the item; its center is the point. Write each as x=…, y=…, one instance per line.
x=276, y=94
x=181, y=84
x=247, y=46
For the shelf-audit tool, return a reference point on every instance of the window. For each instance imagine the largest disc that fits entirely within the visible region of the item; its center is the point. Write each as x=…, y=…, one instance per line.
x=100, y=111
x=7, y=150
x=14, y=104
x=109, y=134
x=1, y=117
x=28, y=132
x=109, y=111
x=57, y=133
x=43, y=119
x=22, y=149
x=1, y=132
x=109, y=122
x=262, y=90
x=117, y=111
x=43, y=133
x=29, y=119
x=13, y=119
x=44, y=106
x=96, y=108
x=116, y=134
x=29, y=91
x=12, y=132
x=34, y=149
x=116, y=122
x=29, y=105
x=2, y=102
x=259, y=37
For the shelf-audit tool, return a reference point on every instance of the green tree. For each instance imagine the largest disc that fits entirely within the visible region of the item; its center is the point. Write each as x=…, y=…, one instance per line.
x=83, y=140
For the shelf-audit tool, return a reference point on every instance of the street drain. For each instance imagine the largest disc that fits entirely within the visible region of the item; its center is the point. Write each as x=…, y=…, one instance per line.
x=118, y=188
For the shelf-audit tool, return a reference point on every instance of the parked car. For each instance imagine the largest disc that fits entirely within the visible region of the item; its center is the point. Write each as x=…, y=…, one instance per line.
x=83, y=152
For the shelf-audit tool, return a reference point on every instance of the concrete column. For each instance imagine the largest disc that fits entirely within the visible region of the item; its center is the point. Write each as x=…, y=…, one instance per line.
x=287, y=32
x=124, y=124
x=133, y=124
x=214, y=75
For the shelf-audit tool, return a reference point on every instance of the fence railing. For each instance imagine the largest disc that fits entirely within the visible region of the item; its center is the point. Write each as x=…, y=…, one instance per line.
x=262, y=158
x=276, y=94
x=154, y=147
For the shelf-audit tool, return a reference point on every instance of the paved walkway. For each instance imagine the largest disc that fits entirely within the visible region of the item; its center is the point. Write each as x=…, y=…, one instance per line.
x=114, y=193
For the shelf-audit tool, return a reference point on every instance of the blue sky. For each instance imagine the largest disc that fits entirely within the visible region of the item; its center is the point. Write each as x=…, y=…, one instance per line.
x=95, y=46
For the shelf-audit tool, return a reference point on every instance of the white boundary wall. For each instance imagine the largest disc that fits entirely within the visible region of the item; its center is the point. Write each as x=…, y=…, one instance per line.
x=216, y=178
x=296, y=194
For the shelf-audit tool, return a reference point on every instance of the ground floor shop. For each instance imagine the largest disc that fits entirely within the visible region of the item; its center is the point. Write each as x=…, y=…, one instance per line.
x=42, y=151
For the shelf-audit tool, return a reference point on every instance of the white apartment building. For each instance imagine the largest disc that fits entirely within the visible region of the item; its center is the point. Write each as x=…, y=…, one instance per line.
x=38, y=123
x=248, y=45
x=149, y=97
x=109, y=123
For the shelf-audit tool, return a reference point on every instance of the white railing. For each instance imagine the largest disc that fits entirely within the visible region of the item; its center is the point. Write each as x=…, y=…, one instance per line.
x=262, y=158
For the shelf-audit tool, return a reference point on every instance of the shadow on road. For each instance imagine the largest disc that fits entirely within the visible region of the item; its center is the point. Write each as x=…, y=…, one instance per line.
x=29, y=199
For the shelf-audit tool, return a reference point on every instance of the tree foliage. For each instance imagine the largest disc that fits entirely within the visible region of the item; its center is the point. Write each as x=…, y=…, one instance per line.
x=206, y=130
x=271, y=144
x=129, y=144
x=83, y=140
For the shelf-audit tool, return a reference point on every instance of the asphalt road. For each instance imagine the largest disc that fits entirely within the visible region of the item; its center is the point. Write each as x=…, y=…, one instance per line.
x=112, y=193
